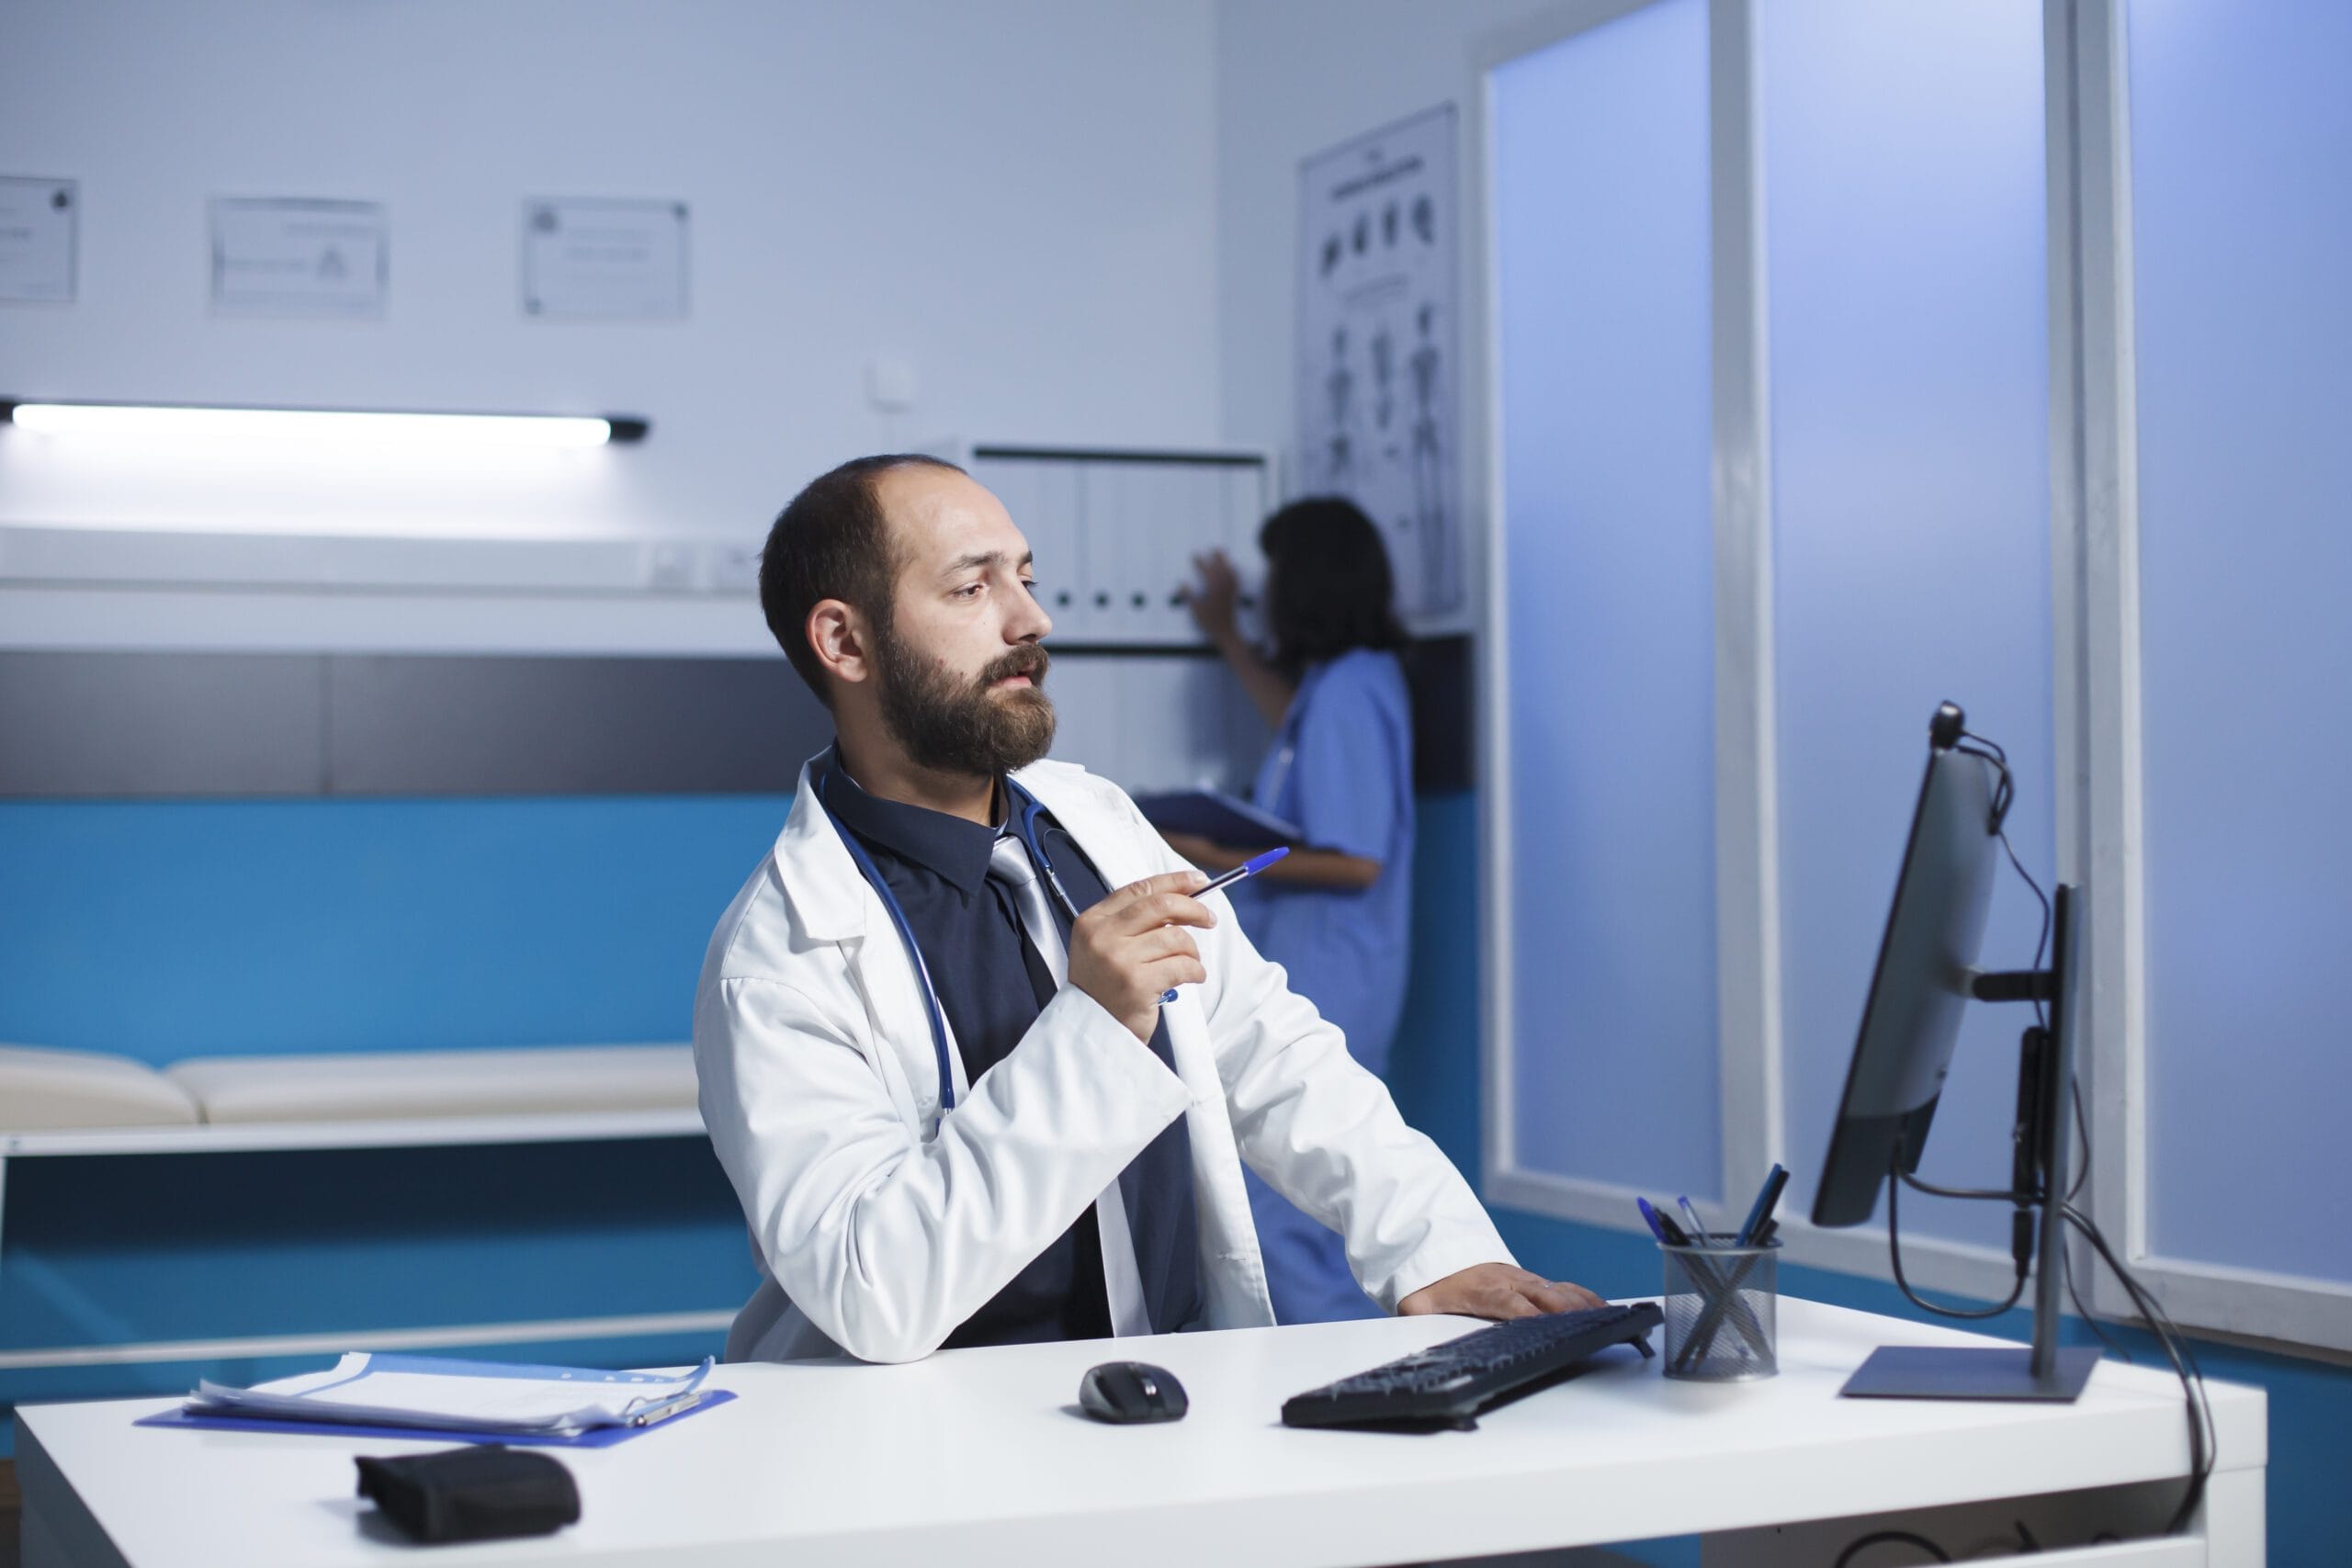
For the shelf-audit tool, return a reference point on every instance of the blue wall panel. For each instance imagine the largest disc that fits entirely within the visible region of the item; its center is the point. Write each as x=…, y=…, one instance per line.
x=171, y=929
x=136, y=1249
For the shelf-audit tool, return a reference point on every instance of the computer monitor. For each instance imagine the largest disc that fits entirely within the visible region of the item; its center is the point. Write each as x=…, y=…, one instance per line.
x=1925, y=978
x=1926, y=964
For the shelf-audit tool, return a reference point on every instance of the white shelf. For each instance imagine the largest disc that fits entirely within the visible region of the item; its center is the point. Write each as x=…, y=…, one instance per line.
x=230, y=1137
x=68, y=555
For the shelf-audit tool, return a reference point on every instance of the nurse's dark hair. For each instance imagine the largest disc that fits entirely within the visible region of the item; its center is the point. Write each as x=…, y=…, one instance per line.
x=1329, y=589
x=832, y=542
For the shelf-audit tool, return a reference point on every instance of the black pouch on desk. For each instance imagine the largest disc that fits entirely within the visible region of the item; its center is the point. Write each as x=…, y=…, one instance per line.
x=471, y=1494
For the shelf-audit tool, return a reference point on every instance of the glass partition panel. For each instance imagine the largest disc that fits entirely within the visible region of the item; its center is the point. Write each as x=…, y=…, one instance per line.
x=2241, y=245
x=1903, y=194
x=1600, y=190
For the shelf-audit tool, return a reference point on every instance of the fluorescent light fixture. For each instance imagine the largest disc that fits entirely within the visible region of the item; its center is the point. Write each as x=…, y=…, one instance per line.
x=438, y=431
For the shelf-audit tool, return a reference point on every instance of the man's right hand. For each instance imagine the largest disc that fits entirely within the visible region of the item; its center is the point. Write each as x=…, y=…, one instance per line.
x=1132, y=946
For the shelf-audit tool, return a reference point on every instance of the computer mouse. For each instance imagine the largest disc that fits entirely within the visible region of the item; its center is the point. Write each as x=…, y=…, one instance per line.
x=1123, y=1391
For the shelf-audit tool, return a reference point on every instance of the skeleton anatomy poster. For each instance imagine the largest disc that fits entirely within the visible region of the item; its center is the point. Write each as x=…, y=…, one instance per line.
x=1377, y=346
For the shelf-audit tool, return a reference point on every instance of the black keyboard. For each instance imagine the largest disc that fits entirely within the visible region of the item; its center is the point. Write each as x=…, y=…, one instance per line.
x=1447, y=1384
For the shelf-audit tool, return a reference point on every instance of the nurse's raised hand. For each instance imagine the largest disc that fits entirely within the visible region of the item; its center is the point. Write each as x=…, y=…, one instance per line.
x=1212, y=599
x=1132, y=946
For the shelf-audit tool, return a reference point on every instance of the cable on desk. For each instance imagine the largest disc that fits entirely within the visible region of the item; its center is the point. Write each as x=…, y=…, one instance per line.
x=1881, y=1538
x=2201, y=1454
x=2202, y=1448
x=1895, y=1244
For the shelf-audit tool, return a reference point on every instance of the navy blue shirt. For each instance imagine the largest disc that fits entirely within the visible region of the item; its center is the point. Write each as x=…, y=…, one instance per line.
x=992, y=984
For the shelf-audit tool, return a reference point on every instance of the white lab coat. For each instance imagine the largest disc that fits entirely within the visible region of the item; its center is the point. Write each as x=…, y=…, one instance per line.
x=880, y=1225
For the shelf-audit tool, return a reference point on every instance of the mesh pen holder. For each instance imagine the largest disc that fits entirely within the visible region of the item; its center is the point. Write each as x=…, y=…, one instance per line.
x=1720, y=1319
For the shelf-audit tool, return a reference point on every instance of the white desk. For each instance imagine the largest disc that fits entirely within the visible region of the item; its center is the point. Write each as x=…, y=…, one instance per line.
x=979, y=1456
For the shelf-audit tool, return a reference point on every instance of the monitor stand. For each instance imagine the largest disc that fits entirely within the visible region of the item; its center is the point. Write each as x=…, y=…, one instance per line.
x=1951, y=1372
x=2045, y=1370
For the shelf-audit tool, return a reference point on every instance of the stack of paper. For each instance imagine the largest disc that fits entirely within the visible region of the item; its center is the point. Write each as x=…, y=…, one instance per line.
x=366, y=1390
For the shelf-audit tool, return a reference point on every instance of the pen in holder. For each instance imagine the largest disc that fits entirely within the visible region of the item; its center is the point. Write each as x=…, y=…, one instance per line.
x=1719, y=1304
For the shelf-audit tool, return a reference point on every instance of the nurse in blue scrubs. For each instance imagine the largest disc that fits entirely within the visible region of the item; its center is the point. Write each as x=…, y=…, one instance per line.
x=1337, y=915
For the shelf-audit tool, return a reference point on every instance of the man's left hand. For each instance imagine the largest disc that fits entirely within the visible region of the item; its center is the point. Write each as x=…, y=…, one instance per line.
x=1497, y=1290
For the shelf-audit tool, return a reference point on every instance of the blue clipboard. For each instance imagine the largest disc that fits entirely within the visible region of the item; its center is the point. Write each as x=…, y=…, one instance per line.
x=589, y=1438
x=1219, y=818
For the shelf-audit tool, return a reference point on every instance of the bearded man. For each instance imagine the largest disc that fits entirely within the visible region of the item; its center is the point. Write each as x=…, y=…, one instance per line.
x=981, y=1069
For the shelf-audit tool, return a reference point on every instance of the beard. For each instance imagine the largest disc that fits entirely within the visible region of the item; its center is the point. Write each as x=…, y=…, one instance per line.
x=951, y=726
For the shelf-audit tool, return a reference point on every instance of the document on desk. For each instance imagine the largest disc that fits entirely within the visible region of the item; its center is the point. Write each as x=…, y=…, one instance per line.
x=365, y=1389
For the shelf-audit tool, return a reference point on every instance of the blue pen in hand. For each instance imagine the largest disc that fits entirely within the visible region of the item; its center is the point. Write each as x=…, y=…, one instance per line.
x=1246, y=868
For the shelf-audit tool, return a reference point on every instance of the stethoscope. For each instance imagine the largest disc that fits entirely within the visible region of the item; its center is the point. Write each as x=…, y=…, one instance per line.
x=1023, y=813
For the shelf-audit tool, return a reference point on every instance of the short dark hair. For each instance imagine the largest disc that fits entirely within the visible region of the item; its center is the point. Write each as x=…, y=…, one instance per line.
x=1329, y=587
x=832, y=542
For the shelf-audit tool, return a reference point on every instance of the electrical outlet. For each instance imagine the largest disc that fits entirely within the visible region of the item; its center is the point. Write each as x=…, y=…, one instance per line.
x=890, y=384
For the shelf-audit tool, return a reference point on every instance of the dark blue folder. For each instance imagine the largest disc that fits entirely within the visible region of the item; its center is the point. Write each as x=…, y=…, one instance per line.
x=1219, y=817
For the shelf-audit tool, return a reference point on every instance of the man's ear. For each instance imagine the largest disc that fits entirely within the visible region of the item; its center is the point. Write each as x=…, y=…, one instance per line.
x=839, y=634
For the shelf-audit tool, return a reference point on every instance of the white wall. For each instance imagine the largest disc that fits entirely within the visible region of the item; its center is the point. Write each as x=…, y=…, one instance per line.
x=1299, y=77
x=1017, y=198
